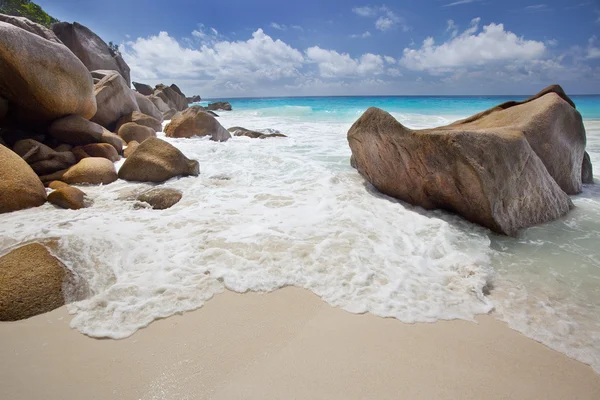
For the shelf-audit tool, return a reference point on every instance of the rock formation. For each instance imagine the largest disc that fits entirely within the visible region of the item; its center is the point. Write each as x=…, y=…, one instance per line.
x=220, y=105
x=115, y=99
x=67, y=197
x=194, y=121
x=20, y=187
x=160, y=198
x=239, y=131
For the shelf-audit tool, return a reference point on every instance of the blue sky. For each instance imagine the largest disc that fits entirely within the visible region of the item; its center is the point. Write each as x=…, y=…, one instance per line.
x=320, y=47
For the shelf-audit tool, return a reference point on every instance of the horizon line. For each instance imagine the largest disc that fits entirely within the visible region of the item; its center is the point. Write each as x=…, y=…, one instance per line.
x=386, y=95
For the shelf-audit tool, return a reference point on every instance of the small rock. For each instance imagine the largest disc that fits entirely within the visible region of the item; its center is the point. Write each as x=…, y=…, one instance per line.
x=160, y=198
x=67, y=197
x=57, y=185
x=220, y=105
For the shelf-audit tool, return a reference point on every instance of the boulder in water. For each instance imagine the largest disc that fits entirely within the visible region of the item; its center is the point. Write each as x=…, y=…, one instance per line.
x=194, y=121
x=92, y=171
x=157, y=161
x=220, y=105
x=538, y=148
x=239, y=131
x=67, y=197
x=160, y=198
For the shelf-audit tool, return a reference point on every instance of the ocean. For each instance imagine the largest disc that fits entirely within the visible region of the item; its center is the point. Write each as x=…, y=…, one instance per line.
x=265, y=214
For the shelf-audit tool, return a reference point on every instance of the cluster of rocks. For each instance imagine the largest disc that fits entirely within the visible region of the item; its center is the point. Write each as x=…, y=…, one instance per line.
x=507, y=168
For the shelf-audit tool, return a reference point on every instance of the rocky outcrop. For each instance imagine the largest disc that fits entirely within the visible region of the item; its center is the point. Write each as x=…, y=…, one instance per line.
x=92, y=171
x=160, y=198
x=147, y=107
x=219, y=105
x=194, y=121
x=157, y=161
x=20, y=187
x=103, y=150
x=133, y=132
x=41, y=158
x=538, y=149
x=32, y=282
x=42, y=80
x=142, y=88
x=194, y=99
x=76, y=130
x=67, y=197
x=30, y=26
x=140, y=119
x=239, y=131
x=172, y=97
x=114, y=98
x=587, y=171
x=90, y=49
x=131, y=146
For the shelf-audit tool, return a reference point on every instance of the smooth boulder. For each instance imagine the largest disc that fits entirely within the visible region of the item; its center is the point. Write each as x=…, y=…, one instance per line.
x=114, y=98
x=140, y=119
x=131, y=146
x=132, y=131
x=76, y=130
x=147, y=107
x=103, y=150
x=20, y=187
x=157, y=161
x=485, y=168
x=68, y=197
x=171, y=96
x=143, y=89
x=160, y=198
x=194, y=121
x=42, y=80
x=90, y=48
x=91, y=171
x=31, y=282
x=30, y=26
x=112, y=139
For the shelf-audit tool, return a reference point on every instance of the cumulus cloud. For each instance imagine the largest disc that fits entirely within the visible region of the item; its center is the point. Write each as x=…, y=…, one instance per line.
x=471, y=48
x=332, y=64
x=386, y=18
x=363, y=35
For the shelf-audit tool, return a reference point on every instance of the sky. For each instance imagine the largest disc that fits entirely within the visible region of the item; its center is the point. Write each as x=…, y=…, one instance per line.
x=244, y=48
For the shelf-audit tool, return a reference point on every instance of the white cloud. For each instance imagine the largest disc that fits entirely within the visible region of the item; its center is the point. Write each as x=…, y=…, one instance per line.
x=459, y=2
x=452, y=28
x=472, y=48
x=363, y=35
x=384, y=24
x=386, y=18
x=280, y=27
x=366, y=11
x=393, y=72
x=332, y=64
x=537, y=7
x=390, y=60
x=592, y=50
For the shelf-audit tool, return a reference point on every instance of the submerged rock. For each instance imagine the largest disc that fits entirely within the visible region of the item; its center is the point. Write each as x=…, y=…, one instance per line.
x=194, y=121
x=160, y=198
x=20, y=187
x=239, y=131
x=31, y=282
x=507, y=168
x=157, y=161
x=220, y=105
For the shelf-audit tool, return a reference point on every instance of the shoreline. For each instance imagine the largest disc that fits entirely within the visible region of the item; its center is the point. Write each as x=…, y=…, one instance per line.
x=285, y=344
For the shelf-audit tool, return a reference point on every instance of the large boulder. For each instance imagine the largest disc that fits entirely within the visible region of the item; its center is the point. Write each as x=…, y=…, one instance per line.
x=147, y=107
x=143, y=89
x=171, y=96
x=239, y=131
x=67, y=197
x=157, y=161
x=75, y=130
x=507, y=168
x=90, y=49
x=133, y=132
x=92, y=171
x=30, y=26
x=20, y=187
x=194, y=121
x=160, y=198
x=103, y=150
x=31, y=282
x=42, y=80
x=219, y=105
x=43, y=159
x=140, y=119
x=114, y=98
x=159, y=103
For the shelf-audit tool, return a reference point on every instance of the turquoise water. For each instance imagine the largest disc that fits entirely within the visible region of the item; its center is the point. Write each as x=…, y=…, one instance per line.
x=344, y=108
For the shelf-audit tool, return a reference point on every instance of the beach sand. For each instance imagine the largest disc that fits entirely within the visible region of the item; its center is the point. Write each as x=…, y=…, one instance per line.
x=288, y=344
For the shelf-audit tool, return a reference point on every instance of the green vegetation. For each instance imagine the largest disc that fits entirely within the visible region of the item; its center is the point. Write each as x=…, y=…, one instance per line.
x=114, y=49
x=27, y=9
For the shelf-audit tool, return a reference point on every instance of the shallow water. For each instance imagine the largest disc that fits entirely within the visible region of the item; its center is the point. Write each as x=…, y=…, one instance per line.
x=265, y=214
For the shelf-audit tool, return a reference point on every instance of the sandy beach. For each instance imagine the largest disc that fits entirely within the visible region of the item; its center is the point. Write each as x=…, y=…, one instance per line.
x=286, y=344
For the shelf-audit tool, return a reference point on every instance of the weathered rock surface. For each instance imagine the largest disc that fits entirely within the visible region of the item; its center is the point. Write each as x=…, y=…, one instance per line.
x=114, y=98
x=103, y=150
x=131, y=146
x=132, y=131
x=20, y=187
x=30, y=26
x=161, y=198
x=219, y=105
x=92, y=170
x=194, y=121
x=172, y=97
x=41, y=158
x=194, y=99
x=140, y=119
x=31, y=282
x=143, y=89
x=42, y=80
x=239, y=131
x=167, y=115
x=159, y=103
x=76, y=130
x=90, y=48
x=587, y=171
x=157, y=161
x=454, y=167
x=147, y=107
x=57, y=185
x=67, y=197
x=112, y=139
